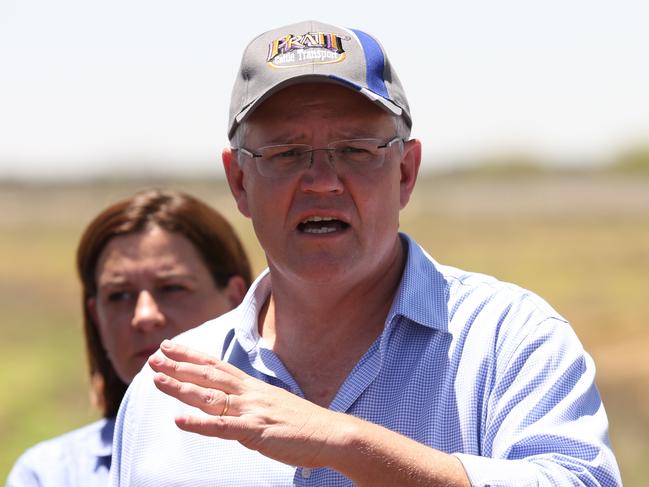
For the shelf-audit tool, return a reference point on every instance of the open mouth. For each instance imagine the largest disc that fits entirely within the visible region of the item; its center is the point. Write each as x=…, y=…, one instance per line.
x=321, y=225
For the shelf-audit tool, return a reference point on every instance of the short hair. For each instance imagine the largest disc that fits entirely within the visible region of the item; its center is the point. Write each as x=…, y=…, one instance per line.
x=401, y=127
x=205, y=228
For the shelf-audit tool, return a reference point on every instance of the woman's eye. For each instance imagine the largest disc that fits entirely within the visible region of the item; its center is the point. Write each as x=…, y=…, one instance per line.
x=172, y=288
x=117, y=296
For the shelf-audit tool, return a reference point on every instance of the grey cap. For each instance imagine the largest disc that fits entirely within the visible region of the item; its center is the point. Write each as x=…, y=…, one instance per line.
x=311, y=51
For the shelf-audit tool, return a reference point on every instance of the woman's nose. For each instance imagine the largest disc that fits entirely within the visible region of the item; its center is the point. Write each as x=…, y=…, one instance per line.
x=147, y=314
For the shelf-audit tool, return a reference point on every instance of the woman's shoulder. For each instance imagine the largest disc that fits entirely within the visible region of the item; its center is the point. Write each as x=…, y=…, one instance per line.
x=68, y=459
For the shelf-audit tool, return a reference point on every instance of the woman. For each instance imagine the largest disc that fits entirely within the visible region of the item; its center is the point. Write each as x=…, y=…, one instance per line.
x=151, y=267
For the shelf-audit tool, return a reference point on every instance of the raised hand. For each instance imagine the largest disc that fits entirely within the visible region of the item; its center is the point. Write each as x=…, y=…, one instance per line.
x=239, y=407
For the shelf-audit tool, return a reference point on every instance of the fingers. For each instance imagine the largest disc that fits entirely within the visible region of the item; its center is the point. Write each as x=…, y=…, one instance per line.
x=222, y=427
x=211, y=401
x=209, y=376
x=181, y=353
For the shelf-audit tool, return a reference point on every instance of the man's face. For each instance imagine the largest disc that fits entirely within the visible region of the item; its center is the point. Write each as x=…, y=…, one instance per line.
x=324, y=223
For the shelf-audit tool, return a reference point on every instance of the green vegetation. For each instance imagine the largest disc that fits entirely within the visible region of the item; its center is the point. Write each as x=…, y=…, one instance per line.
x=504, y=166
x=579, y=240
x=633, y=160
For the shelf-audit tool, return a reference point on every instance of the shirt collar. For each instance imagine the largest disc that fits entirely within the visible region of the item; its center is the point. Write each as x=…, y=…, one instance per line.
x=101, y=445
x=422, y=295
x=246, y=329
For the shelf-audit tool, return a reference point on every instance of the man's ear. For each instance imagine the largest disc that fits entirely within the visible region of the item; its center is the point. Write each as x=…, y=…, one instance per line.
x=409, y=169
x=234, y=174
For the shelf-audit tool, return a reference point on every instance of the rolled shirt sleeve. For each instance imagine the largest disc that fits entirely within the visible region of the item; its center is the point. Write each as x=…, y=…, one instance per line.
x=544, y=423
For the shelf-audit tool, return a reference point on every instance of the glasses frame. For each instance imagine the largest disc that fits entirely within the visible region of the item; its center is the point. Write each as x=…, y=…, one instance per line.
x=255, y=156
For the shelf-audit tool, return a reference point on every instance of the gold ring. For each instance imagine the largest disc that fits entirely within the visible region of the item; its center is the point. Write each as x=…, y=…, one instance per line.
x=227, y=405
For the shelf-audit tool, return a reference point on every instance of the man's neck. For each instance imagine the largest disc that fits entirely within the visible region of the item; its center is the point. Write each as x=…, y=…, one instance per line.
x=321, y=331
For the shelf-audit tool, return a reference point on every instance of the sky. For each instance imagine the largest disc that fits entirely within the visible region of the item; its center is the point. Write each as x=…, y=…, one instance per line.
x=90, y=87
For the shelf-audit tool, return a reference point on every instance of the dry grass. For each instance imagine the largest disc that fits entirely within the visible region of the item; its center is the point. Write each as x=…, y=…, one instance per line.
x=580, y=241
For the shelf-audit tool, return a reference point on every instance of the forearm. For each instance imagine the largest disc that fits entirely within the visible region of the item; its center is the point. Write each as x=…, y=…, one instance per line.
x=371, y=455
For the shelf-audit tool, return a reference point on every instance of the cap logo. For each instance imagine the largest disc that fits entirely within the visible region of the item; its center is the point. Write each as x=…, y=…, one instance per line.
x=311, y=48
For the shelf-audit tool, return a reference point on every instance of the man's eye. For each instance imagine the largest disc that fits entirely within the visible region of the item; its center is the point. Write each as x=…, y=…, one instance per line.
x=351, y=149
x=292, y=153
x=356, y=153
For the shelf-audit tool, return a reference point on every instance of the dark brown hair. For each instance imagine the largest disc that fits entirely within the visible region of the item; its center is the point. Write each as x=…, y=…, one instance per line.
x=209, y=232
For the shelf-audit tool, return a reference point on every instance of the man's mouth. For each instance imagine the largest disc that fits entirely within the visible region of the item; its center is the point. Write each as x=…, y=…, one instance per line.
x=321, y=224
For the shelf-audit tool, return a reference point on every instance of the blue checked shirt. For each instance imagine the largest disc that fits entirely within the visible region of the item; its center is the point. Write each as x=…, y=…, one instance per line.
x=79, y=458
x=466, y=364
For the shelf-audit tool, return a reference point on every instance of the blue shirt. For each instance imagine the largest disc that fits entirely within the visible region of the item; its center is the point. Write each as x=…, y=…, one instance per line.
x=78, y=458
x=466, y=364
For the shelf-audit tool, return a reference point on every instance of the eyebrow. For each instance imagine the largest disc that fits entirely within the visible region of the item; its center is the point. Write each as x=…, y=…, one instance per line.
x=175, y=275
x=111, y=281
x=283, y=138
x=162, y=276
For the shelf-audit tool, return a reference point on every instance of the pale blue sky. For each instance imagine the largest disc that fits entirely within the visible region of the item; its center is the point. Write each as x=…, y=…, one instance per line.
x=143, y=85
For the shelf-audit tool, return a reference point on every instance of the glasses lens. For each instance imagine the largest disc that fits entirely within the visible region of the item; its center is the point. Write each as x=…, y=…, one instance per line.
x=282, y=160
x=359, y=152
x=277, y=161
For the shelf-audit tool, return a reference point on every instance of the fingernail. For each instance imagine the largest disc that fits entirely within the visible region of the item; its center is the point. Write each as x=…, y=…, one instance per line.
x=162, y=378
x=155, y=360
x=166, y=344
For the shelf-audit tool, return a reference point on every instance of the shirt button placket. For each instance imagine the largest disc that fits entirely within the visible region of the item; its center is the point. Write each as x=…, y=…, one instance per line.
x=306, y=473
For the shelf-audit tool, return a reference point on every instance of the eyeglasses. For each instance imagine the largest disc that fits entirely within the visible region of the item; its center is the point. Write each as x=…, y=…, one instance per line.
x=276, y=161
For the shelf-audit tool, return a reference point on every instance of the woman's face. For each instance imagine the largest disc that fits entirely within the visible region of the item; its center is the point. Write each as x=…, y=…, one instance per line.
x=151, y=286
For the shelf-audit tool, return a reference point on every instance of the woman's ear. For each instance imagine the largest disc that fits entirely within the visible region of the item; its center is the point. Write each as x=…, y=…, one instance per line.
x=235, y=290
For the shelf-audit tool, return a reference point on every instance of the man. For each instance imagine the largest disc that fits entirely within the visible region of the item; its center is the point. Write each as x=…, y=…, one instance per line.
x=356, y=358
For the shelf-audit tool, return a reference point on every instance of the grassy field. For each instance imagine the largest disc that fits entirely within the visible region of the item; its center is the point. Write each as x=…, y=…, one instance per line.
x=579, y=240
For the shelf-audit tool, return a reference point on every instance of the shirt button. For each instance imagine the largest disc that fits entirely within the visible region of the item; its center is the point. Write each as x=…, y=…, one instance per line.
x=306, y=473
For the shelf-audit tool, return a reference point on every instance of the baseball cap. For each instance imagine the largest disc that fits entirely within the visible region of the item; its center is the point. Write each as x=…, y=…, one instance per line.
x=313, y=51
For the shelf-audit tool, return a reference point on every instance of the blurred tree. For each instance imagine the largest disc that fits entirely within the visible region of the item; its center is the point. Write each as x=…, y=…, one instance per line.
x=511, y=164
x=634, y=159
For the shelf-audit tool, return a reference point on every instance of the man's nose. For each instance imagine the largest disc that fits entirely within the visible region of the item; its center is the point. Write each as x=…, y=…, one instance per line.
x=322, y=174
x=147, y=314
